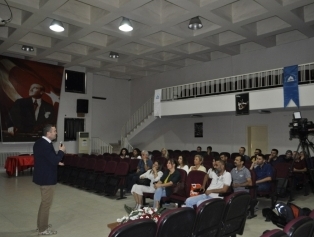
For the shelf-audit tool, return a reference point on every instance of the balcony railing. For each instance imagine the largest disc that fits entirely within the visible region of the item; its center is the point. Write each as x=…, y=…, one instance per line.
x=240, y=83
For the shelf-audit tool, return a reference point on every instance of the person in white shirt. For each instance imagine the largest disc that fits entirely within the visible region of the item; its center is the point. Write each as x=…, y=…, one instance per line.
x=154, y=175
x=221, y=181
x=183, y=163
x=198, y=160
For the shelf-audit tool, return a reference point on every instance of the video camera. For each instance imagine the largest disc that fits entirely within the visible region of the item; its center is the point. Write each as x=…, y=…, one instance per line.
x=300, y=127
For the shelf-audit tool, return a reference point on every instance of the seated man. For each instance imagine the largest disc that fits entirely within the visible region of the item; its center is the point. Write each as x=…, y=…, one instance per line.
x=221, y=181
x=273, y=158
x=224, y=157
x=242, y=153
x=241, y=176
x=264, y=173
x=256, y=152
x=288, y=157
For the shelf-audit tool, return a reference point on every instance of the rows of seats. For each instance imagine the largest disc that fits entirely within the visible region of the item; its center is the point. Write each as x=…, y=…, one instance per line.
x=214, y=217
x=99, y=174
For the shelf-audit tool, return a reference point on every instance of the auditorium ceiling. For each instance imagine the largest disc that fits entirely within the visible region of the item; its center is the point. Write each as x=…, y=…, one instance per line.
x=160, y=41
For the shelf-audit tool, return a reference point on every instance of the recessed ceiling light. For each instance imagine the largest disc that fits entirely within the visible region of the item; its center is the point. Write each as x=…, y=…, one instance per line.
x=195, y=23
x=125, y=25
x=56, y=26
x=113, y=55
x=27, y=48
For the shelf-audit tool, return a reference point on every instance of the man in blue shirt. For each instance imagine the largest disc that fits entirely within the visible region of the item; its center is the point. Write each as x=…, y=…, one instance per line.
x=264, y=173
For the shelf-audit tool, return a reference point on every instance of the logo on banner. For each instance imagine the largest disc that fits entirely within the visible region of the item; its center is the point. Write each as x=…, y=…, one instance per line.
x=291, y=79
x=157, y=97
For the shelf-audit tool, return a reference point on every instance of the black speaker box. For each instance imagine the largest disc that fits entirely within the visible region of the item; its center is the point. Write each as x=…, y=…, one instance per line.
x=82, y=106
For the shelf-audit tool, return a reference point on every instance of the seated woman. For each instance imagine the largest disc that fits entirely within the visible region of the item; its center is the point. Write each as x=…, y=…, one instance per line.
x=198, y=160
x=164, y=186
x=183, y=163
x=137, y=191
x=299, y=169
x=124, y=153
x=164, y=153
x=136, y=154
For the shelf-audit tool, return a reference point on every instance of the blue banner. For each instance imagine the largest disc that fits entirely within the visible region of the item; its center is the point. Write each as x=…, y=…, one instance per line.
x=291, y=85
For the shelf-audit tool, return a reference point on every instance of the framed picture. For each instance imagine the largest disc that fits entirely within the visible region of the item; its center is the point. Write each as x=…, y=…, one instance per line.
x=198, y=129
x=242, y=104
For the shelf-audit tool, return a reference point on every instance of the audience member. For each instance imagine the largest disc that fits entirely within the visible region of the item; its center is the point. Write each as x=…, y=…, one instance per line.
x=241, y=176
x=124, y=153
x=221, y=181
x=144, y=165
x=164, y=185
x=136, y=154
x=288, y=157
x=295, y=155
x=198, y=161
x=273, y=158
x=256, y=152
x=164, y=153
x=154, y=175
x=303, y=155
x=210, y=170
x=299, y=167
x=183, y=163
x=209, y=151
x=264, y=172
x=228, y=166
x=242, y=153
x=199, y=150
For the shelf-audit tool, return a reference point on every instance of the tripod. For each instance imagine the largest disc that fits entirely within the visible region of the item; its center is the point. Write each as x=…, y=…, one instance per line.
x=305, y=146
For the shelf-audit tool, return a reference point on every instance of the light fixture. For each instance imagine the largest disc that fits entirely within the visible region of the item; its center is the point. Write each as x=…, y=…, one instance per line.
x=195, y=23
x=113, y=55
x=56, y=26
x=27, y=48
x=125, y=25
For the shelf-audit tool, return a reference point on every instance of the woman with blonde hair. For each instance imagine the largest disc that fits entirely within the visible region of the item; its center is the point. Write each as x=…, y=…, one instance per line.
x=198, y=161
x=164, y=153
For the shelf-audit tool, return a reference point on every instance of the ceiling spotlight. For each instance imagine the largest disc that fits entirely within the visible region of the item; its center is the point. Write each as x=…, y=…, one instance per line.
x=56, y=26
x=125, y=25
x=113, y=55
x=27, y=48
x=195, y=23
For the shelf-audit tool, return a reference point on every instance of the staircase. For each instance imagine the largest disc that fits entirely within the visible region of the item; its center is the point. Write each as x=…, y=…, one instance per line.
x=100, y=147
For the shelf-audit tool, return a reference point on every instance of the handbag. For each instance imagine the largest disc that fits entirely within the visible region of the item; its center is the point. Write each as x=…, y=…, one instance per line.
x=179, y=189
x=145, y=182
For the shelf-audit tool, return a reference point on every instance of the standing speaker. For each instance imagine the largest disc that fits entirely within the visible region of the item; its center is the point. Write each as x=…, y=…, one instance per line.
x=82, y=106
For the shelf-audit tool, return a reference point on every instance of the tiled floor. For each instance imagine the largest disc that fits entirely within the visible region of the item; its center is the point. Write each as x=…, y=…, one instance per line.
x=77, y=213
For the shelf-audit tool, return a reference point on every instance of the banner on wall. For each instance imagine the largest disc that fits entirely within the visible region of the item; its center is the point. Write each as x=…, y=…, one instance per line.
x=29, y=98
x=157, y=103
x=291, y=85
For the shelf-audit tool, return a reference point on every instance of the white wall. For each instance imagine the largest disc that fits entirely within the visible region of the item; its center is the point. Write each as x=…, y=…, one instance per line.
x=111, y=114
x=226, y=132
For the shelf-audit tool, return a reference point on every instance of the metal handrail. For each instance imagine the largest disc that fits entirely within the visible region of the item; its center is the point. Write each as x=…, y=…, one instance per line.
x=239, y=83
x=100, y=147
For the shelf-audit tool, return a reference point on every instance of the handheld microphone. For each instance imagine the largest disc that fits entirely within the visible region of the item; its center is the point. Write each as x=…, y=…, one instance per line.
x=61, y=144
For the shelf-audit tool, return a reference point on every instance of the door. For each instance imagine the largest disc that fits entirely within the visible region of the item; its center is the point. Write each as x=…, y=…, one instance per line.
x=257, y=138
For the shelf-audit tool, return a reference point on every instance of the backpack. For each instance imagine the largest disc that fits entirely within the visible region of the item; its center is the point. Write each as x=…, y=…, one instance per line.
x=286, y=213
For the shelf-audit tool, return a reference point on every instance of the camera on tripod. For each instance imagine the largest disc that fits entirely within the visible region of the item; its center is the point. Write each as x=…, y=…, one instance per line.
x=300, y=127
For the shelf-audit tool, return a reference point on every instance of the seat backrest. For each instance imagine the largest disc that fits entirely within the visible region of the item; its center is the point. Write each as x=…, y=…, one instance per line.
x=140, y=227
x=312, y=214
x=110, y=167
x=208, y=217
x=300, y=226
x=194, y=177
x=100, y=165
x=274, y=233
x=122, y=169
x=67, y=160
x=235, y=213
x=283, y=169
x=234, y=155
x=176, y=222
x=82, y=163
x=133, y=164
x=91, y=164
